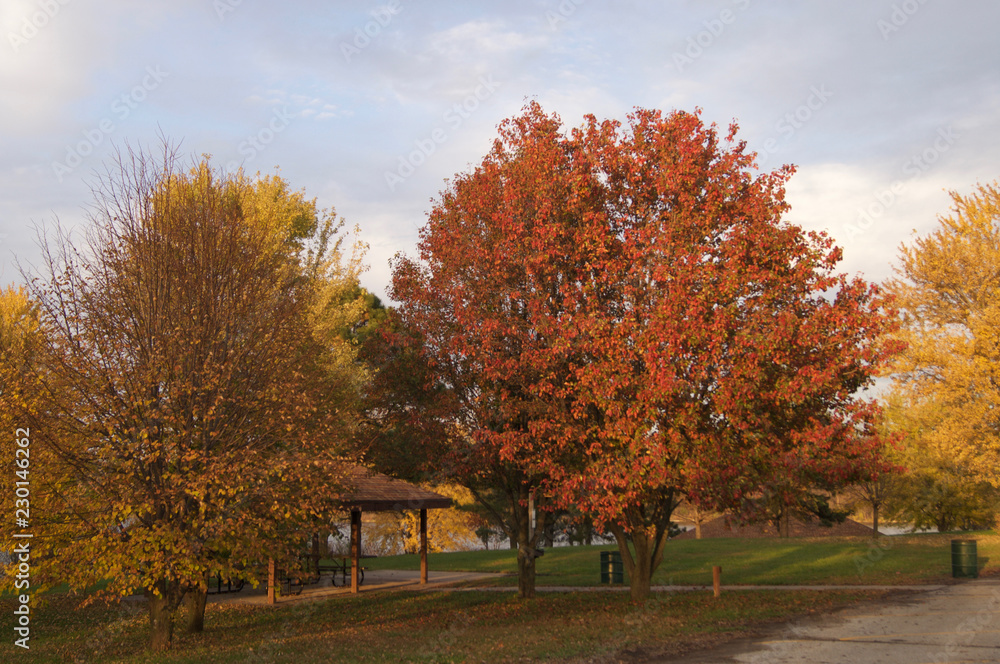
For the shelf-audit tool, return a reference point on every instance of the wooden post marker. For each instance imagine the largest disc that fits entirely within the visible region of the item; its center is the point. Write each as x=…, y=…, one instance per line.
x=423, y=546
x=717, y=580
x=355, y=549
x=272, y=582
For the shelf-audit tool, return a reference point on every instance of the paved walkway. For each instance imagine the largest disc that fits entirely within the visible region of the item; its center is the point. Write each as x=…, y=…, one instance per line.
x=954, y=623
x=680, y=589
x=467, y=582
x=374, y=580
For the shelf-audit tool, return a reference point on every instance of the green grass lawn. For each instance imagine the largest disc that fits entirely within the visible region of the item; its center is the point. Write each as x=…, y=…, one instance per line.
x=419, y=627
x=901, y=559
x=497, y=627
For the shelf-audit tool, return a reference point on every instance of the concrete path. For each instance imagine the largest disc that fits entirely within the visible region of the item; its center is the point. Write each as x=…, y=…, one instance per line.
x=673, y=589
x=955, y=623
x=375, y=580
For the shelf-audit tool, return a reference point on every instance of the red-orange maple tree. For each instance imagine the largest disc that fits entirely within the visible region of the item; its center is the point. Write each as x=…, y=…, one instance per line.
x=631, y=323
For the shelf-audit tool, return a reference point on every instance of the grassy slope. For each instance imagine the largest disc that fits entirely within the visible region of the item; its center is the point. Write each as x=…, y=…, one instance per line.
x=892, y=560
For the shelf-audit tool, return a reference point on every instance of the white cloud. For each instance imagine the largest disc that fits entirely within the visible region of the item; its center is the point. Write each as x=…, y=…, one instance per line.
x=868, y=212
x=488, y=38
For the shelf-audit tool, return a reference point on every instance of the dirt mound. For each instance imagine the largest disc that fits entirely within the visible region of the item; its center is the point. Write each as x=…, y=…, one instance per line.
x=719, y=527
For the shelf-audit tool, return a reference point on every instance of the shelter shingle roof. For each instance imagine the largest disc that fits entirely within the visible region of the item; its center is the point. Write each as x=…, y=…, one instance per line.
x=375, y=492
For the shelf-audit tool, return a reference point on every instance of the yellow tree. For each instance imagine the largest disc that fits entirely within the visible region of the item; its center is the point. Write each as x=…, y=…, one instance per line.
x=452, y=529
x=948, y=291
x=17, y=323
x=18, y=335
x=938, y=489
x=179, y=389
x=340, y=310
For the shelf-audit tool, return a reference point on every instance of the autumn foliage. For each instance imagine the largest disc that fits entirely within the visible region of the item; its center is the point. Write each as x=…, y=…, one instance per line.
x=628, y=323
x=946, y=393
x=177, y=392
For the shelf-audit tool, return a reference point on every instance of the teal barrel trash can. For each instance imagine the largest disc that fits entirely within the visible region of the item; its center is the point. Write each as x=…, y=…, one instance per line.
x=964, y=562
x=612, y=568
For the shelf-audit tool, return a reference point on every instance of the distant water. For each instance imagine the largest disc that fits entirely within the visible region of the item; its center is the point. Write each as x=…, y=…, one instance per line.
x=901, y=530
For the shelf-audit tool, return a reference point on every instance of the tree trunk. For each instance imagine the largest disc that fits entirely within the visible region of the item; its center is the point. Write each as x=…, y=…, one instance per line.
x=943, y=524
x=162, y=605
x=875, y=520
x=641, y=576
x=786, y=525
x=527, y=539
x=697, y=523
x=648, y=556
x=315, y=557
x=526, y=573
x=196, y=599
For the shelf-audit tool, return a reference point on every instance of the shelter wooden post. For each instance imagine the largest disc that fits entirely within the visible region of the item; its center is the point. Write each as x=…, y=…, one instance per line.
x=368, y=491
x=423, y=545
x=315, y=553
x=272, y=581
x=355, y=548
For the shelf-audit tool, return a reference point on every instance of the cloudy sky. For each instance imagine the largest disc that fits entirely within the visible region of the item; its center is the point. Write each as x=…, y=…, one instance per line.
x=883, y=105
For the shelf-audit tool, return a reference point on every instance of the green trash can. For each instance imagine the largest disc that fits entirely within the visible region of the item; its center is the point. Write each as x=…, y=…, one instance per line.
x=964, y=563
x=612, y=568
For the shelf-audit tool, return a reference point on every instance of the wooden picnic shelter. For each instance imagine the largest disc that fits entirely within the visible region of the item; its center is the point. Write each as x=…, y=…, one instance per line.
x=369, y=491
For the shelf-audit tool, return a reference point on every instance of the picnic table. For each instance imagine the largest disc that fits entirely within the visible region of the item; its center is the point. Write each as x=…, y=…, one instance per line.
x=217, y=585
x=342, y=565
